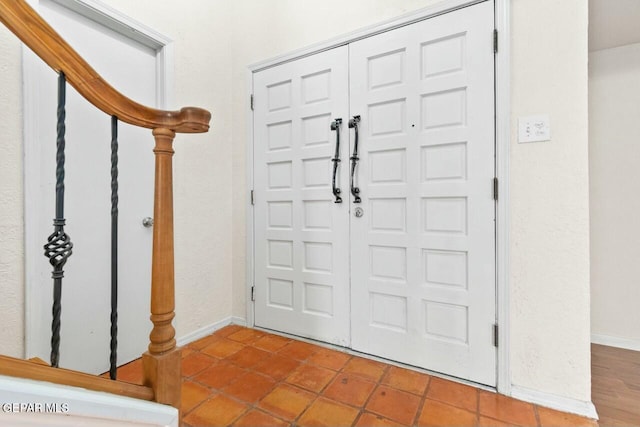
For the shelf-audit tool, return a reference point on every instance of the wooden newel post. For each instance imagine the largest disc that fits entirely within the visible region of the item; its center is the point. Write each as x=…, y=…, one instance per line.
x=161, y=363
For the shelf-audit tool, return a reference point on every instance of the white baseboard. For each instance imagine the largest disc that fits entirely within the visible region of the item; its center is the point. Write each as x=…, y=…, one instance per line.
x=629, y=344
x=240, y=321
x=560, y=403
x=209, y=329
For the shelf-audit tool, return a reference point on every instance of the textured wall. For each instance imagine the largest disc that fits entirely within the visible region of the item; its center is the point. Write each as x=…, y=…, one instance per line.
x=614, y=136
x=11, y=198
x=549, y=232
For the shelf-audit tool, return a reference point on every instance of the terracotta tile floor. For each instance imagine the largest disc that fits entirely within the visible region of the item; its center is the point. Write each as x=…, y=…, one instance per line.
x=245, y=377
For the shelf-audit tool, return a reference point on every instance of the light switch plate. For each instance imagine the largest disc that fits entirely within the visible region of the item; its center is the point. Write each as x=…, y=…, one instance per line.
x=534, y=128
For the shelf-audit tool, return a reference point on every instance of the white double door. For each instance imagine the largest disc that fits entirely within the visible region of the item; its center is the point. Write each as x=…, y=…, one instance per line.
x=408, y=273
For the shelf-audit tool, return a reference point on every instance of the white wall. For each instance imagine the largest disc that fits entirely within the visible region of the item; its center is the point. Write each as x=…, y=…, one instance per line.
x=614, y=144
x=549, y=248
x=549, y=233
x=11, y=198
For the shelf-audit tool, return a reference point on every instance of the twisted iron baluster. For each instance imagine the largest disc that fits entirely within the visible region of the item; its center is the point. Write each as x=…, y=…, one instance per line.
x=114, y=248
x=58, y=247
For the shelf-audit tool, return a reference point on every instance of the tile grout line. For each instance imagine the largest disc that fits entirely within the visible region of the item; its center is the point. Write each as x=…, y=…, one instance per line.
x=423, y=401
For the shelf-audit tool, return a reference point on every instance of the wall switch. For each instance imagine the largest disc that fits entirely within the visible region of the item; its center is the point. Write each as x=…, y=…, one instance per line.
x=534, y=128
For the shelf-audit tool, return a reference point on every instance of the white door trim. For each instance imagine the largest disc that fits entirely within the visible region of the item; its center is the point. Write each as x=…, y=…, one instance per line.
x=124, y=25
x=503, y=131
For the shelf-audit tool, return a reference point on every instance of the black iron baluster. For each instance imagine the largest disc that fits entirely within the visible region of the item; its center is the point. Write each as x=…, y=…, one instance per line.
x=335, y=125
x=114, y=248
x=353, y=123
x=58, y=247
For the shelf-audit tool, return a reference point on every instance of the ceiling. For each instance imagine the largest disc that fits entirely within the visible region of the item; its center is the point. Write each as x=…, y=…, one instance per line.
x=613, y=23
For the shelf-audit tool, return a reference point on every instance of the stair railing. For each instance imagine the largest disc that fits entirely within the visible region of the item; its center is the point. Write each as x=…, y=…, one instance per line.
x=162, y=361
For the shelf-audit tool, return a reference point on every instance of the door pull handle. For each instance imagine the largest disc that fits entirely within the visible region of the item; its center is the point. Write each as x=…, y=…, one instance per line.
x=355, y=191
x=335, y=125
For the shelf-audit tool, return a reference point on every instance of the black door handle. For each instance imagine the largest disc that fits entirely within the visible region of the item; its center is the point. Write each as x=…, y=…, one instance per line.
x=355, y=191
x=335, y=125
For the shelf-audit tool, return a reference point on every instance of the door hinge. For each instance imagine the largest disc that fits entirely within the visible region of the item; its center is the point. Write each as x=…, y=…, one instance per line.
x=252, y=199
x=495, y=41
x=253, y=293
x=495, y=188
x=251, y=101
x=495, y=334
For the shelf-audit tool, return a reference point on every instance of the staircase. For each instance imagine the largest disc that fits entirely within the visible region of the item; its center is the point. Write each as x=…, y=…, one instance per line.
x=162, y=361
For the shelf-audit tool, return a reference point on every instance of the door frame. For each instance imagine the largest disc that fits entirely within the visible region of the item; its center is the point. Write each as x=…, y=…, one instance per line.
x=502, y=135
x=125, y=26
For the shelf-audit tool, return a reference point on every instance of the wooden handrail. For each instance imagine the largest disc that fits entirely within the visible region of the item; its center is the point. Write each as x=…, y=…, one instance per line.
x=36, y=370
x=38, y=35
x=162, y=361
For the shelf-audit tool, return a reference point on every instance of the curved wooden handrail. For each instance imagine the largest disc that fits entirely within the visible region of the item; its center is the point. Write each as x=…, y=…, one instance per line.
x=38, y=35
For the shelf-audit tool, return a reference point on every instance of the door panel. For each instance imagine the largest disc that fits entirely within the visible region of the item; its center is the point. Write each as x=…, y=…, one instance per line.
x=423, y=263
x=301, y=235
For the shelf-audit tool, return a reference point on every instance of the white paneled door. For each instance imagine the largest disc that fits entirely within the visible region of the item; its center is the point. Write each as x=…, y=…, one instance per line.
x=423, y=253
x=405, y=270
x=301, y=235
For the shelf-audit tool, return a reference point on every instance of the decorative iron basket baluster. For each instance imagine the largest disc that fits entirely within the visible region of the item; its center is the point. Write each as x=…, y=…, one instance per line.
x=58, y=247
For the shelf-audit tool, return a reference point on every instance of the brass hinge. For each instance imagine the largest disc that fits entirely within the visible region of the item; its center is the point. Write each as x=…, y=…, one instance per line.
x=495, y=41
x=495, y=335
x=251, y=102
x=253, y=293
x=252, y=199
x=495, y=188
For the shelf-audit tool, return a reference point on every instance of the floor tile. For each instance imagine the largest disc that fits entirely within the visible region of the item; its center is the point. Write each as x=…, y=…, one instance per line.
x=407, y=380
x=219, y=375
x=131, y=372
x=286, y=401
x=331, y=359
x=203, y=342
x=277, y=366
x=310, y=377
x=350, y=389
x=256, y=418
x=196, y=362
x=396, y=405
x=365, y=368
x=218, y=411
x=327, y=413
x=186, y=351
x=367, y=419
x=271, y=342
x=246, y=336
x=550, y=418
x=453, y=393
x=504, y=408
x=192, y=395
x=248, y=357
x=222, y=348
x=490, y=422
x=299, y=350
x=250, y=387
x=243, y=378
x=436, y=413
x=228, y=330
